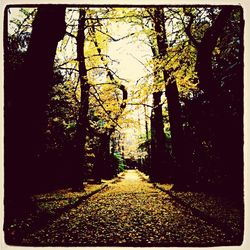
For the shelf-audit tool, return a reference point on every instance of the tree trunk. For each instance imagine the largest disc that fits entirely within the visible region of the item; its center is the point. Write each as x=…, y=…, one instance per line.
x=148, y=146
x=174, y=111
x=79, y=152
x=103, y=169
x=160, y=157
x=25, y=114
x=174, y=107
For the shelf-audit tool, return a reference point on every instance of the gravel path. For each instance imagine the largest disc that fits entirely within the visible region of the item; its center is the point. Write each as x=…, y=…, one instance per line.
x=130, y=212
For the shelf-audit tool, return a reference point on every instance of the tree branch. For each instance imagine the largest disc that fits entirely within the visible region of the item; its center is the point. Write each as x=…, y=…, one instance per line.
x=137, y=104
x=102, y=55
x=65, y=68
x=115, y=39
x=58, y=66
x=140, y=62
x=70, y=35
x=102, y=106
x=188, y=28
x=111, y=74
x=109, y=70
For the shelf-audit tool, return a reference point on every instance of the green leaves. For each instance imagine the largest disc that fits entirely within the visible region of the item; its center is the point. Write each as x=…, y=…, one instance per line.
x=120, y=160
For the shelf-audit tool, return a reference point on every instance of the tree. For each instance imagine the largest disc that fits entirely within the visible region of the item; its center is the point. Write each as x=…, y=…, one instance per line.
x=103, y=167
x=171, y=92
x=214, y=126
x=160, y=157
x=25, y=115
x=96, y=95
x=79, y=152
x=205, y=48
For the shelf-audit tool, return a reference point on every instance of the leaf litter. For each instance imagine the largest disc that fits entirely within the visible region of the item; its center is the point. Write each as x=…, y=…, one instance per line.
x=131, y=212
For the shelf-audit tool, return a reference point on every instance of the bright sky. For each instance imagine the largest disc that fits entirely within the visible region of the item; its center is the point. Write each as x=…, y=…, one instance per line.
x=128, y=52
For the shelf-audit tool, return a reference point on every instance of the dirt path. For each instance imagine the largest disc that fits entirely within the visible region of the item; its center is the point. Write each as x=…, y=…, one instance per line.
x=130, y=212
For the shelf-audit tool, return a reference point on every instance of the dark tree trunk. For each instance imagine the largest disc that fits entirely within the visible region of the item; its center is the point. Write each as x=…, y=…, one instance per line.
x=148, y=146
x=25, y=115
x=174, y=108
x=229, y=161
x=79, y=152
x=174, y=111
x=103, y=168
x=180, y=145
x=160, y=157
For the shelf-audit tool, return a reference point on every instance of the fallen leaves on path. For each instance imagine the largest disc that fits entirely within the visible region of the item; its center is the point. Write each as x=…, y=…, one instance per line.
x=129, y=213
x=213, y=206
